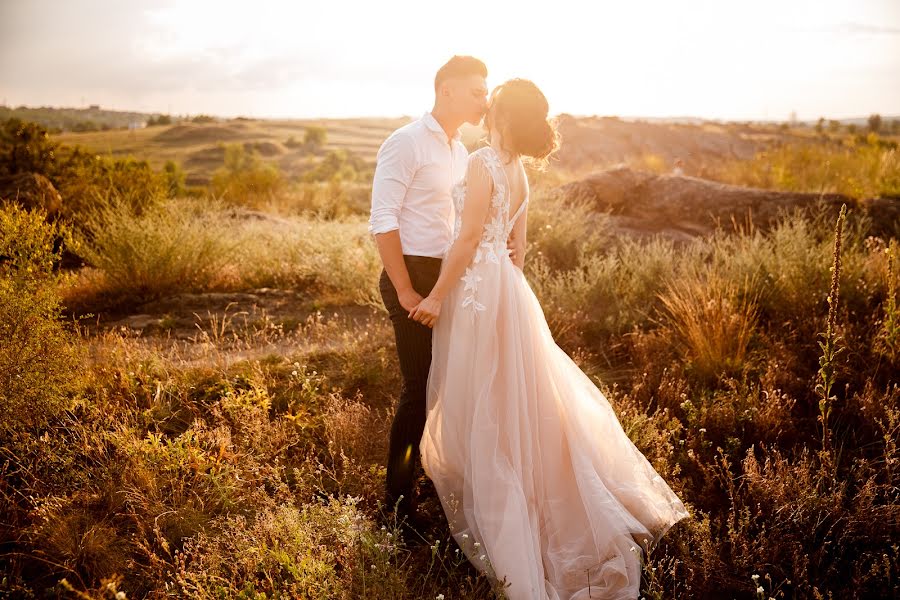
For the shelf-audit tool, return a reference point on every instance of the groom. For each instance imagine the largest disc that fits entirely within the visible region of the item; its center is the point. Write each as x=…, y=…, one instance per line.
x=411, y=220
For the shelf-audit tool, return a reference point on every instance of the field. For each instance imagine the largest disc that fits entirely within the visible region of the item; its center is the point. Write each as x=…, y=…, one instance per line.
x=198, y=405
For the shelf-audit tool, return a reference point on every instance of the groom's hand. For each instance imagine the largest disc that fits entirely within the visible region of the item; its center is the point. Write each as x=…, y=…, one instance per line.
x=409, y=299
x=427, y=312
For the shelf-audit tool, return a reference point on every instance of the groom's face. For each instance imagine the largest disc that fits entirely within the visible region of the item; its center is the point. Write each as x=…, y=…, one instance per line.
x=469, y=97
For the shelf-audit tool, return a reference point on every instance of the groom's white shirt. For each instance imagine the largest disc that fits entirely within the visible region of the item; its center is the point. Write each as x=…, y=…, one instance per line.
x=416, y=168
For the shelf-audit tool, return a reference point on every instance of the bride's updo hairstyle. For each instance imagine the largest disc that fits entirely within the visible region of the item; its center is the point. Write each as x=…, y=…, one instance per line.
x=518, y=110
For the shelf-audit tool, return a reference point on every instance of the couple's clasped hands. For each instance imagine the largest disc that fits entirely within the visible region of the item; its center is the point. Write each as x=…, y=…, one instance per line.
x=422, y=310
x=427, y=310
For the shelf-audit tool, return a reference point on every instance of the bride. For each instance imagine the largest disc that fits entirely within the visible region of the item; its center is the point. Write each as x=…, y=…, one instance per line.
x=542, y=488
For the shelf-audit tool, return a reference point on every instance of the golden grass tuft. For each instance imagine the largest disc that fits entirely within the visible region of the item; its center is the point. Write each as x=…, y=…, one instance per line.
x=711, y=322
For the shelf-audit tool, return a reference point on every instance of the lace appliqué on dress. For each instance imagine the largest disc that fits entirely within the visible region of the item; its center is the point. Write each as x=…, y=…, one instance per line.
x=492, y=246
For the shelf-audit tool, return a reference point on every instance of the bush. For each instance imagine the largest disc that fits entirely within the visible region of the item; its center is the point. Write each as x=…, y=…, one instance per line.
x=245, y=178
x=159, y=120
x=175, y=178
x=25, y=148
x=332, y=200
x=38, y=357
x=857, y=170
x=315, y=137
x=170, y=247
x=85, y=179
x=339, y=165
x=81, y=177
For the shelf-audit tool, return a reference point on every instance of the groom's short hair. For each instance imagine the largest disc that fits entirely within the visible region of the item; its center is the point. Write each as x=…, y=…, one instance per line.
x=459, y=66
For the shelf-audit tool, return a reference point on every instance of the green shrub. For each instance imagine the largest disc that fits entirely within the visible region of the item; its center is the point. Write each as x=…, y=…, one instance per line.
x=38, y=357
x=25, y=148
x=83, y=178
x=315, y=137
x=245, y=178
x=339, y=165
x=175, y=177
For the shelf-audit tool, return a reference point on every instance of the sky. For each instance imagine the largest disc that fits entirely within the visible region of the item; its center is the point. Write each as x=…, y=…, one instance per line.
x=716, y=59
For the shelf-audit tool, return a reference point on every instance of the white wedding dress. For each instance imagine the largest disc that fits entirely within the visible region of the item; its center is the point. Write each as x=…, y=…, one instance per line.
x=539, y=482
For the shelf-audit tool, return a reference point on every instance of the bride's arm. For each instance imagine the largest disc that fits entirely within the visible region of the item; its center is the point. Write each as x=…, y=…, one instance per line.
x=517, y=237
x=474, y=215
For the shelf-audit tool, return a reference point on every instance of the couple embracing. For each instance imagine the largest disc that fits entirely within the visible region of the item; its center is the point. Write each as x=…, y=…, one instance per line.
x=542, y=488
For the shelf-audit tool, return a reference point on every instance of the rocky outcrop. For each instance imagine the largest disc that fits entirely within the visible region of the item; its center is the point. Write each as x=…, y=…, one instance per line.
x=31, y=190
x=680, y=207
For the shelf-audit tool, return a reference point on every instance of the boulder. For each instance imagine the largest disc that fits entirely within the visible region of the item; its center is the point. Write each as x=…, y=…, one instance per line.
x=31, y=190
x=679, y=206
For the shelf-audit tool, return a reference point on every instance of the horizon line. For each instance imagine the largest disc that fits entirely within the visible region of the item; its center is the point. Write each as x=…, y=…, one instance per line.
x=889, y=116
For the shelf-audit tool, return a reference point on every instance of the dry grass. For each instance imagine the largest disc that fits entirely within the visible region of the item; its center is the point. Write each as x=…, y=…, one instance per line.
x=247, y=457
x=713, y=325
x=189, y=245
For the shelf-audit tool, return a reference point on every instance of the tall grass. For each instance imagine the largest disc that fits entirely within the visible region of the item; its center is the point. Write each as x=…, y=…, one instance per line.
x=867, y=168
x=171, y=247
x=191, y=245
x=713, y=325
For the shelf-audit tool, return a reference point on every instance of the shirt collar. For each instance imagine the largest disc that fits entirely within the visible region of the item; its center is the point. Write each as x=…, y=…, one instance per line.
x=432, y=124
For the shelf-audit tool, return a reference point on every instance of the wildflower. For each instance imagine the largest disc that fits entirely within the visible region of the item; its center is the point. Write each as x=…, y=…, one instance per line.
x=703, y=430
x=754, y=577
x=477, y=544
x=120, y=595
x=465, y=536
x=439, y=597
x=294, y=373
x=482, y=557
x=760, y=590
x=633, y=549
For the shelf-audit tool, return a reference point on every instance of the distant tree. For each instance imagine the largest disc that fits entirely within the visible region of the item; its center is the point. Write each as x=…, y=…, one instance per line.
x=820, y=125
x=159, y=120
x=895, y=126
x=851, y=128
x=834, y=125
x=875, y=123
x=315, y=137
x=203, y=119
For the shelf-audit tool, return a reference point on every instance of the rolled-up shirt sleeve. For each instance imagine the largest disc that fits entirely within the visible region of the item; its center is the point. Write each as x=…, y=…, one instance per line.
x=394, y=169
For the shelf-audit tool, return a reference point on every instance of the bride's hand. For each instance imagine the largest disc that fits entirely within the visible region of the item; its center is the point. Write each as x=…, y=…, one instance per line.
x=513, y=247
x=427, y=311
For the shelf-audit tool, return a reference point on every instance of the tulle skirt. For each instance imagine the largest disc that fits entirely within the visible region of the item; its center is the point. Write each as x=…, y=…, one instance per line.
x=540, y=484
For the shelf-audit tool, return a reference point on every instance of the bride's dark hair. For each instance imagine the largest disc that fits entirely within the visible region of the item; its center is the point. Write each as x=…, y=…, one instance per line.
x=520, y=109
